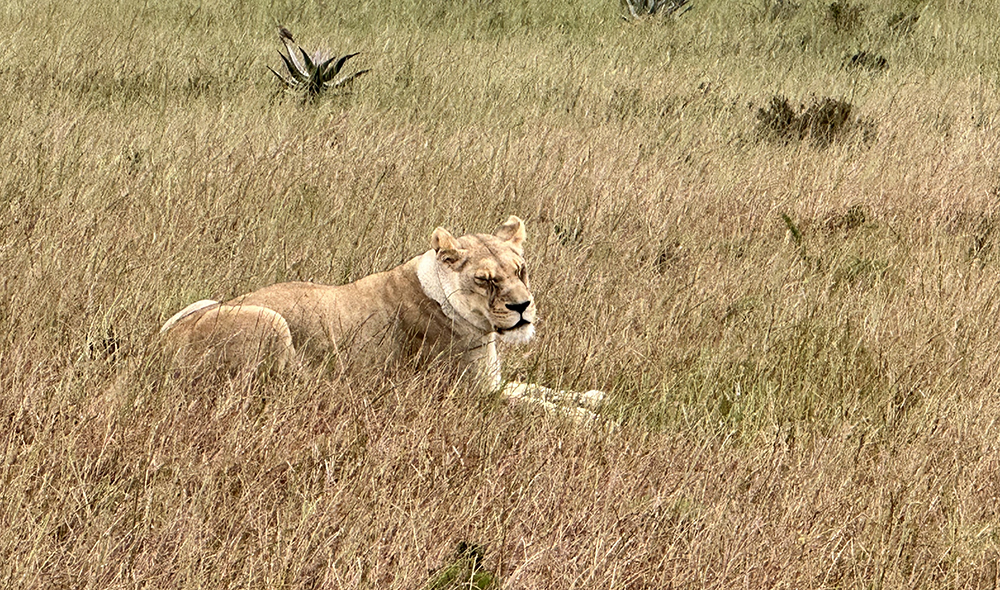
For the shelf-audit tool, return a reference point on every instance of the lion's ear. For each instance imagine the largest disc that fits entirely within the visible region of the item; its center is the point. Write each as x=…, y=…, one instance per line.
x=512, y=231
x=447, y=247
x=442, y=240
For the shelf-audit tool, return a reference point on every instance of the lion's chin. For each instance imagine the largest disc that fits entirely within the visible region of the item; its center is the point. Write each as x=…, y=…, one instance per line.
x=521, y=335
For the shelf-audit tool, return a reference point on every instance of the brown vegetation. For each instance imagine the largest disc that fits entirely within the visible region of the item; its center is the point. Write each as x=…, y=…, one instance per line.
x=813, y=408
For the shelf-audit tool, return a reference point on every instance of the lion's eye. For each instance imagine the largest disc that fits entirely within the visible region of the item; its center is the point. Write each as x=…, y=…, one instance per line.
x=484, y=281
x=522, y=273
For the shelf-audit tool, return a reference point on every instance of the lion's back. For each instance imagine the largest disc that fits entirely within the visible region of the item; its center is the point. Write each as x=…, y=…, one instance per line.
x=357, y=316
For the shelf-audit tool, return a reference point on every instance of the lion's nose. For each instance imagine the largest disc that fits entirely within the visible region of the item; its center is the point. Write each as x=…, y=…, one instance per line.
x=518, y=307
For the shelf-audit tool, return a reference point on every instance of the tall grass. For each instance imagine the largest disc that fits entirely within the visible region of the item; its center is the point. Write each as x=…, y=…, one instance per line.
x=798, y=340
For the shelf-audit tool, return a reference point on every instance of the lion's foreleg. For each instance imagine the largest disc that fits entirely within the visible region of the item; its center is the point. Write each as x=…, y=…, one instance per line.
x=579, y=404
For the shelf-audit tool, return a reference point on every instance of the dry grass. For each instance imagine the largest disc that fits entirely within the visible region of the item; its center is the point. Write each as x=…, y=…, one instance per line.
x=800, y=341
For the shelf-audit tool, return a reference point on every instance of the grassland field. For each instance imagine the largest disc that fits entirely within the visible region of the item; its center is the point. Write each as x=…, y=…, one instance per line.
x=795, y=313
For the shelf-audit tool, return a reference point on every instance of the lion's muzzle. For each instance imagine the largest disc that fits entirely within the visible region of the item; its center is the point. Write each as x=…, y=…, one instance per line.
x=522, y=330
x=520, y=323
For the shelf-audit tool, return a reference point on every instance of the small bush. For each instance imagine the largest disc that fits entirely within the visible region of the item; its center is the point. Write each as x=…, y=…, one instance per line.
x=867, y=61
x=624, y=103
x=847, y=221
x=902, y=23
x=775, y=10
x=844, y=16
x=823, y=121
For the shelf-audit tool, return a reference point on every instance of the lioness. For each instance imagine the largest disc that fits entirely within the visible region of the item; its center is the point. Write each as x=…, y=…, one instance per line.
x=452, y=302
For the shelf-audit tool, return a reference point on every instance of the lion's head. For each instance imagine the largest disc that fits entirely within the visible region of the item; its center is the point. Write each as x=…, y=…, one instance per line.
x=484, y=280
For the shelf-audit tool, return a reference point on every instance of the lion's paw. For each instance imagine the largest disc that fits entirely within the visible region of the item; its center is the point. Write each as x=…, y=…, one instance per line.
x=591, y=399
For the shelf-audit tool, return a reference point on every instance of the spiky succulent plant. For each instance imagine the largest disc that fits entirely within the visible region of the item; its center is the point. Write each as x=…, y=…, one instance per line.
x=639, y=9
x=312, y=75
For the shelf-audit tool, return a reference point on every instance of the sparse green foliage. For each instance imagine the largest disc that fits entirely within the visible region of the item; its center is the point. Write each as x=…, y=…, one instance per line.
x=792, y=229
x=465, y=572
x=312, y=75
x=863, y=271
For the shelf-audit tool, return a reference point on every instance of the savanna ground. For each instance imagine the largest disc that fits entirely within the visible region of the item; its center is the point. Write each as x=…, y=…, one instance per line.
x=795, y=316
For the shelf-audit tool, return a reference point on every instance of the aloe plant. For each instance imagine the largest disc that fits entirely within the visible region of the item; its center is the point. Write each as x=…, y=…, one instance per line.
x=312, y=75
x=639, y=9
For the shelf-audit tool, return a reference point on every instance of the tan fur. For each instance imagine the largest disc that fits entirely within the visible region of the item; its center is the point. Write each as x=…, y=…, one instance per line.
x=219, y=337
x=451, y=302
